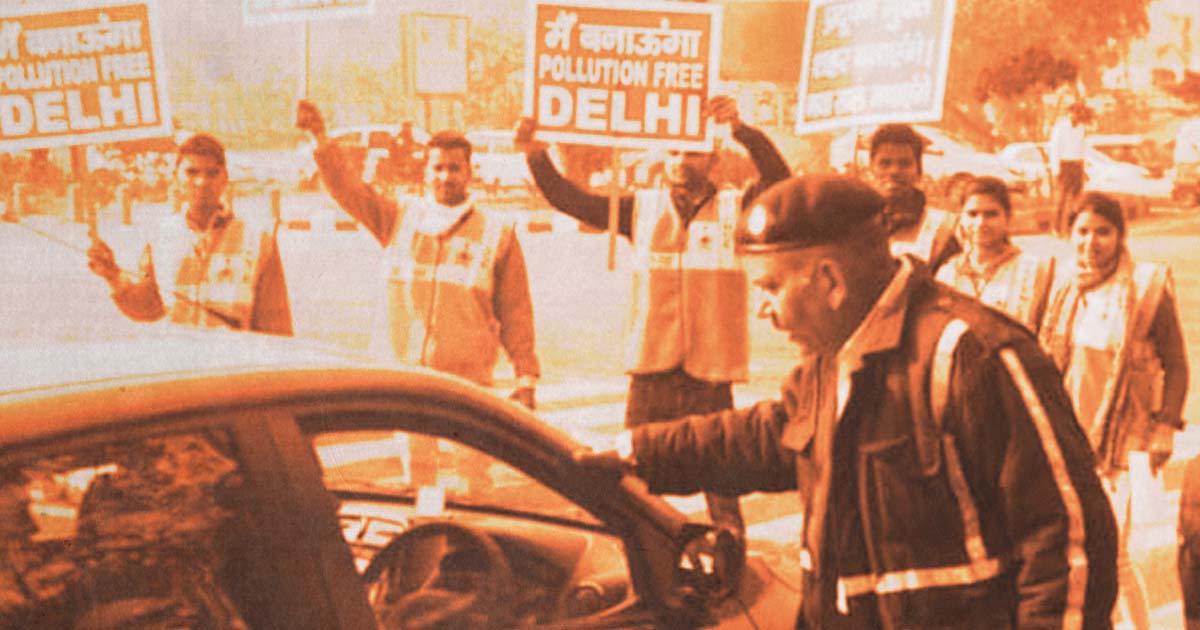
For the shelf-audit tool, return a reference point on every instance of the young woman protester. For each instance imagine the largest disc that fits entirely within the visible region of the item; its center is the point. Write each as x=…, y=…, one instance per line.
x=990, y=267
x=1112, y=326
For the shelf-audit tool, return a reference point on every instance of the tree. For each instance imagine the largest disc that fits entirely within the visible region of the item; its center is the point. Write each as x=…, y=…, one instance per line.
x=1009, y=54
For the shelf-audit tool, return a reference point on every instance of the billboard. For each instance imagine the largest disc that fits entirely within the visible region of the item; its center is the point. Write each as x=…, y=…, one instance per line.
x=90, y=74
x=632, y=75
x=266, y=11
x=439, y=53
x=874, y=61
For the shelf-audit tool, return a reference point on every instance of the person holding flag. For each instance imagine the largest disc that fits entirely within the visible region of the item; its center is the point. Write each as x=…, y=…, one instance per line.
x=688, y=339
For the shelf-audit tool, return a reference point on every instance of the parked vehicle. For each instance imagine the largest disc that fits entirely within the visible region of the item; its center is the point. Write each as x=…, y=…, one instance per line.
x=495, y=163
x=252, y=482
x=1185, y=185
x=947, y=161
x=374, y=141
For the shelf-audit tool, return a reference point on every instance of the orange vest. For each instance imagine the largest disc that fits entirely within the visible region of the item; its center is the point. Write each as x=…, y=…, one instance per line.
x=933, y=235
x=689, y=306
x=1019, y=287
x=439, y=295
x=208, y=279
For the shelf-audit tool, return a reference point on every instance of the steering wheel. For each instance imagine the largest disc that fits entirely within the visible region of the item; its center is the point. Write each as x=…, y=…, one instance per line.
x=414, y=584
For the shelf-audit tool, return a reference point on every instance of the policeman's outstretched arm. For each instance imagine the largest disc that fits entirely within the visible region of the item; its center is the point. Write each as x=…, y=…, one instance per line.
x=562, y=193
x=359, y=200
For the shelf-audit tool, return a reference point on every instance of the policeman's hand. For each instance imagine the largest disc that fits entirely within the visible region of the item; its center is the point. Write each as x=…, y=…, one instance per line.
x=723, y=109
x=605, y=465
x=1162, y=445
x=525, y=396
x=102, y=262
x=523, y=140
x=308, y=118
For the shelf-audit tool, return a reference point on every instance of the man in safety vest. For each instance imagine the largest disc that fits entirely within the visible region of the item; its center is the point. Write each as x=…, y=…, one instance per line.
x=945, y=481
x=895, y=169
x=205, y=266
x=688, y=339
x=457, y=285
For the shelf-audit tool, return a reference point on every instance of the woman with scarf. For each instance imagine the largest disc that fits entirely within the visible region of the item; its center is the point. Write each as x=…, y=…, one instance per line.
x=1112, y=326
x=991, y=268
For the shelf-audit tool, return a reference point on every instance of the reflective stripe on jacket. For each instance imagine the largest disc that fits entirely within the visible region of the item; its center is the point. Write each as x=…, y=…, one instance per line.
x=689, y=303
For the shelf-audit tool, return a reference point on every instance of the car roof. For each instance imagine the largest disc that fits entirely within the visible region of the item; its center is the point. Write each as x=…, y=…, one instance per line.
x=62, y=388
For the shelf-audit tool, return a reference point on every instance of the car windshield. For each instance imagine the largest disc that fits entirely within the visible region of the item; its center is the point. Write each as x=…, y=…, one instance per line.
x=407, y=467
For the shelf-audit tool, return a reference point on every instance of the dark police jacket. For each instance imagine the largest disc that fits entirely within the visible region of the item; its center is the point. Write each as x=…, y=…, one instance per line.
x=949, y=486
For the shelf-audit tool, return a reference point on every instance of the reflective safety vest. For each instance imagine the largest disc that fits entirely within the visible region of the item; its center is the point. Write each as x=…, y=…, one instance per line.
x=209, y=278
x=438, y=298
x=932, y=237
x=689, y=305
x=1019, y=287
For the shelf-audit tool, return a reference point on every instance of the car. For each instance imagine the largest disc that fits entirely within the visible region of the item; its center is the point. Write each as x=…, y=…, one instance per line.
x=1185, y=181
x=230, y=480
x=375, y=139
x=1131, y=183
x=495, y=163
x=947, y=162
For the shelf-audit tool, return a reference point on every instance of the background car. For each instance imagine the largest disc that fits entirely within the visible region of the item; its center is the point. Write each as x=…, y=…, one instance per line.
x=255, y=482
x=947, y=162
x=1130, y=183
x=374, y=140
x=495, y=163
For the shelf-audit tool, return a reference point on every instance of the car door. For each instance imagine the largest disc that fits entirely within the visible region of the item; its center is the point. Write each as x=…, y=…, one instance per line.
x=181, y=522
x=396, y=468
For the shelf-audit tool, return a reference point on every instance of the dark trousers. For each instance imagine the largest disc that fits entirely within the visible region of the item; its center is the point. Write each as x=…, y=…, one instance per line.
x=663, y=396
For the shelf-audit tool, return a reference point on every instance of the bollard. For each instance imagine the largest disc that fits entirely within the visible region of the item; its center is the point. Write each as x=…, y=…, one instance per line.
x=12, y=210
x=126, y=201
x=276, y=205
x=75, y=202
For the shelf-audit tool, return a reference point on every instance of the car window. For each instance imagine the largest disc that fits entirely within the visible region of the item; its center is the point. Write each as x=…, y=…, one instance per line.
x=114, y=534
x=405, y=465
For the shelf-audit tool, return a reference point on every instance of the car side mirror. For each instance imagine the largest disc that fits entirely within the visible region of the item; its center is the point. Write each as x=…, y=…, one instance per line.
x=710, y=564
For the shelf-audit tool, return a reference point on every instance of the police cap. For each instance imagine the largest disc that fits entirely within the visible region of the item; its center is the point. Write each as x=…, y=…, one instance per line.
x=804, y=211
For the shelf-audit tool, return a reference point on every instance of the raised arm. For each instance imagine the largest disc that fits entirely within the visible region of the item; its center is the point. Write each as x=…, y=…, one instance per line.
x=379, y=214
x=766, y=157
x=562, y=193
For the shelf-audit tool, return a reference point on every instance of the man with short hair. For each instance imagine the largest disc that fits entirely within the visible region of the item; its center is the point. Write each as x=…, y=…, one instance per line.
x=1067, y=145
x=457, y=285
x=945, y=481
x=895, y=169
x=688, y=339
x=205, y=266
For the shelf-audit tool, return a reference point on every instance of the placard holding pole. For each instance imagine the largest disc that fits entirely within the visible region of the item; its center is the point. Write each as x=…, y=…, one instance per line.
x=614, y=207
x=874, y=61
x=91, y=74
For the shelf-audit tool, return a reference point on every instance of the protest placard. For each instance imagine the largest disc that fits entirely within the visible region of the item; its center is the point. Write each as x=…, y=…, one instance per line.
x=266, y=11
x=90, y=74
x=627, y=75
x=874, y=61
